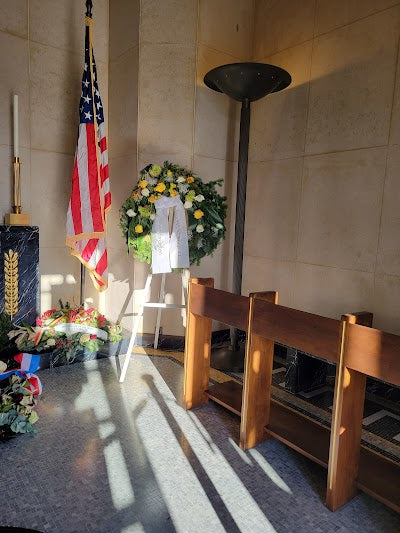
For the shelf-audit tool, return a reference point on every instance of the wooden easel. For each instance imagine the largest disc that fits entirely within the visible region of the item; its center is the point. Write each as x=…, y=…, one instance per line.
x=160, y=305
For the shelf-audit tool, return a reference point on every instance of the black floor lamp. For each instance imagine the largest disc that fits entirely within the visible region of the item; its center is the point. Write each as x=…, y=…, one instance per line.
x=244, y=82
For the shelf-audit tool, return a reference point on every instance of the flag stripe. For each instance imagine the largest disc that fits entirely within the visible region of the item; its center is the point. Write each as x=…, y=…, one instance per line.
x=75, y=207
x=93, y=178
x=83, y=165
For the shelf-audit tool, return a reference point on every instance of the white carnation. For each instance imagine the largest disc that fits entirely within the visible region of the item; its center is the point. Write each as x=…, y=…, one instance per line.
x=131, y=213
x=199, y=228
x=187, y=205
x=3, y=368
x=152, y=216
x=51, y=342
x=183, y=188
x=181, y=179
x=145, y=192
x=199, y=198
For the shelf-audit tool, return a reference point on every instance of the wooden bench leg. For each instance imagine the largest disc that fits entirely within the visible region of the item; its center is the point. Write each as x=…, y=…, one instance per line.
x=197, y=354
x=348, y=409
x=257, y=381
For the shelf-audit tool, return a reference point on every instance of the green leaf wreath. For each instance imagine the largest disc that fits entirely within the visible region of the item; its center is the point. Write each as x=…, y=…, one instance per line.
x=205, y=208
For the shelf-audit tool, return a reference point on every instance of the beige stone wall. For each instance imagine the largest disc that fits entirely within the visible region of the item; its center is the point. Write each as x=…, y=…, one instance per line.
x=324, y=190
x=123, y=106
x=178, y=120
x=42, y=44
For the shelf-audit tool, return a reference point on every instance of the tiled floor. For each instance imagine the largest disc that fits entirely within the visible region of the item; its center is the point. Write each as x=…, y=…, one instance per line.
x=127, y=458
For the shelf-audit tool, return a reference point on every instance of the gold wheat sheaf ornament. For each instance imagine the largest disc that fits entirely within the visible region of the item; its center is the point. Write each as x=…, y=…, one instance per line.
x=11, y=283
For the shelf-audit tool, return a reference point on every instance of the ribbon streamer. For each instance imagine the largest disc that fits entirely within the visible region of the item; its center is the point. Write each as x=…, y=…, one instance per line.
x=29, y=364
x=169, y=250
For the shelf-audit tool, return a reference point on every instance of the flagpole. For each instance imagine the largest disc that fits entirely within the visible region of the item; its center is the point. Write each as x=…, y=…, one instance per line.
x=89, y=7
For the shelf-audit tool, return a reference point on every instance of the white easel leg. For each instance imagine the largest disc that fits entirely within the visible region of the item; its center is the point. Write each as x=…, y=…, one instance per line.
x=185, y=282
x=134, y=332
x=161, y=299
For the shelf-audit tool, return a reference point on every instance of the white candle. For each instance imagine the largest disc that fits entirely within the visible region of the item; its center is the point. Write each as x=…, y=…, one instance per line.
x=16, y=132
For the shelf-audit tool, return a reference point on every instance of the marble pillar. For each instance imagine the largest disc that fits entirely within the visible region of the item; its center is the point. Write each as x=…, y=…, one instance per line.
x=19, y=273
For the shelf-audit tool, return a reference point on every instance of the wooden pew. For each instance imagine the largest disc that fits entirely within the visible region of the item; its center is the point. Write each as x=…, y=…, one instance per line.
x=364, y=352
x=349, y=343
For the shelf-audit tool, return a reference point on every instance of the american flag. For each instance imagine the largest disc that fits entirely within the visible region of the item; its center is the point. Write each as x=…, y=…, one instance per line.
x=90, y=194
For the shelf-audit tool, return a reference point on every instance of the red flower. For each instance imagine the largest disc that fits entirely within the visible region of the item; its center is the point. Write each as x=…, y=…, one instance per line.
x=100, y=320
x=72, y=316
x=93, y=337
x=39, y=322
x=48, y=313
x=59, y=343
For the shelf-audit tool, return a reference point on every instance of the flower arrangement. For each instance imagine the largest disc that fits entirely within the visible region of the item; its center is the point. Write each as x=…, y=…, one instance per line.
x=66, y=332
x=17, y=403
x=205, y=208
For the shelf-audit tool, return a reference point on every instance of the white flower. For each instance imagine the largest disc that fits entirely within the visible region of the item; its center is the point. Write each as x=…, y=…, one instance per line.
x=131, y=213
x=187, y=205
x=3, y=367
x=145, y=192
x=151, y=181
x=51, y=342
x=183, y=188
x=199, y=198
x=199, y=228
x=26, y=400
x=152, y=216
x=181, y=179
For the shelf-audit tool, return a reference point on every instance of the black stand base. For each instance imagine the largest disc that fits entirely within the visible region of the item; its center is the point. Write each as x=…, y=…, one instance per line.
x=228, y=360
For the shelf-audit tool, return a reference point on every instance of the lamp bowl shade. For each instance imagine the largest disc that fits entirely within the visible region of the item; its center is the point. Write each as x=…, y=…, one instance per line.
x=247, y=81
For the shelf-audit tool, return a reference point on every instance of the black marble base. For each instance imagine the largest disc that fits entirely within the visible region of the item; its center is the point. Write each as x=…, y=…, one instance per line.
x=19, y=273
x=303, y=372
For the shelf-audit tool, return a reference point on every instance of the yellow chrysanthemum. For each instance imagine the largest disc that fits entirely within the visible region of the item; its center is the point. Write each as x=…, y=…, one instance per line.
x=190, y=179
x=173, y=193
x=198, y=213
x=142, y=183
x=172, y=186
x=160, y=187
x=139, y=228
x=169, y=172
x=152, y=199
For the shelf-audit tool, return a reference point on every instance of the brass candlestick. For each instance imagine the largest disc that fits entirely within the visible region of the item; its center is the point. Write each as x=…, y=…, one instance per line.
x=17, y=218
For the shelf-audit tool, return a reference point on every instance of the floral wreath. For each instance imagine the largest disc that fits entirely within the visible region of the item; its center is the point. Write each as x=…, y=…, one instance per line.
x=205, y=208
x=66, y=331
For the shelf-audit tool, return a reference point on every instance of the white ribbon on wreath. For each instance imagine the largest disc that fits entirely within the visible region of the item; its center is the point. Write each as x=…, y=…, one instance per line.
x=170, y=249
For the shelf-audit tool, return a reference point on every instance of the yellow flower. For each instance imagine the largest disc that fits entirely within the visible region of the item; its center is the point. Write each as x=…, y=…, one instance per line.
x=142, y=183
x=172, y=186
x=85, y=338
x=198, y=213
x=136, y=195
x=147, y=238
x=173, y=193
x=160, y=187
x=190, y=179
x=169, y=172
x=139, y=228
x=152, y=199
